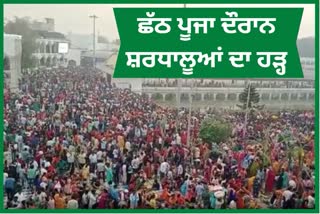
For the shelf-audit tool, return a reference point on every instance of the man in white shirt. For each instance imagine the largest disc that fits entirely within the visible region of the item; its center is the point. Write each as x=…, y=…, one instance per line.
x=20, y=196
x=164, y=168
x=99, y=155
x=93, y=161
x=73, y=204
x=85, y=200
x=70, y=157
x=92, y=199
x=180, y=170
x=135, y=163
x=115, y=153
x=178, y=139
x=43, y=170
x=311, y=201
x=287, y=194
x=43, y=199
x=101, y=169
x=5, y=175
x=35, y=164
x=128, y=146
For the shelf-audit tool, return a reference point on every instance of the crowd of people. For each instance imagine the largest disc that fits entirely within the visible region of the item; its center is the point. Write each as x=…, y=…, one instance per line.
x=73, y=141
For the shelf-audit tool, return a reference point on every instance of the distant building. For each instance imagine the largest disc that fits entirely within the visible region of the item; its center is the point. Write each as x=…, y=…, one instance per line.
x=52, y=46
x=12, y=60
x=52, y=49
x=102, y=53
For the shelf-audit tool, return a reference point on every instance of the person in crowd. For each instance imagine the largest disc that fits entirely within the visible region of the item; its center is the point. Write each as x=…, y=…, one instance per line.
x=72, y=140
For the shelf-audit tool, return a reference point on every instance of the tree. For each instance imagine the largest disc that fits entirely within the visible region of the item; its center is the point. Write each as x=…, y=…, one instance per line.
x=215, y=130
x=254, y=98
x=21, y=26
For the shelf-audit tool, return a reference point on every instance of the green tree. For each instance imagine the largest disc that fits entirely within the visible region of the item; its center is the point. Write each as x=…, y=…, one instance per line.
x=214, y=130
x=21, y=26
x=254, y=98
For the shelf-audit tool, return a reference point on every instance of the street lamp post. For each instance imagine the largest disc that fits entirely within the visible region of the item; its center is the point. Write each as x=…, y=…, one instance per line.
x=189, y=121
x=94, y=17
x=178, y=94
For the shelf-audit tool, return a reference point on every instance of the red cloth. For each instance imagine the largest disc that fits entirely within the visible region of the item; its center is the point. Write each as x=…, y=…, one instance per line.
x=149, y=137
x=270, y=180
x=102, y=201
x=147, y=170
x=184, y=137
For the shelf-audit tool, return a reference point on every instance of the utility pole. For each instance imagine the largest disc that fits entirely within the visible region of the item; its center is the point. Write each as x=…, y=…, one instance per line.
x=178, y=94
x=189, y=121
x=94, y=17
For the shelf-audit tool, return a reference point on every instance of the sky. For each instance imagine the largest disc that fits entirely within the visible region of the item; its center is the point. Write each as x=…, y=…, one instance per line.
x=75, y=18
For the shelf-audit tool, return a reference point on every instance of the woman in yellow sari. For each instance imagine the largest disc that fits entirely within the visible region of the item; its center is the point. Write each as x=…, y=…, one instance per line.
x=276, y=167
x=121, y=142
x=85, y=172
x=250, y=183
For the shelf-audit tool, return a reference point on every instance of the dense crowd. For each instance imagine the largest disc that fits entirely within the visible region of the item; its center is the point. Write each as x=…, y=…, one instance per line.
x=71, y=140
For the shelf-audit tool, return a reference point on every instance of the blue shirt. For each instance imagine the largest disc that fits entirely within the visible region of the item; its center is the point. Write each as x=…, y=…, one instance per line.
x=9, y=183
x=114, y=194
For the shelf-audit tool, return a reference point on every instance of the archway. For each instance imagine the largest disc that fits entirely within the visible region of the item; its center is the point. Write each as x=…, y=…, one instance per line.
x=184, y=97
x=53, y=48
x=48, y=62
x=48, y=47
x=170, y=97
x=275, y=97
x=284, y=96
x=42, y=61
x=157, y=96
x=294, y=96
x=311, y=96
x=197, y=97
x=232, y=97
x=303, y=96
x=42, y=47
x=265, y=96
x=54, y=61
x=220, y=97
x=208, y=97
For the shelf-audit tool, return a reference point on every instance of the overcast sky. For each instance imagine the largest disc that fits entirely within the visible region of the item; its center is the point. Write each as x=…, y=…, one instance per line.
x=75, y=18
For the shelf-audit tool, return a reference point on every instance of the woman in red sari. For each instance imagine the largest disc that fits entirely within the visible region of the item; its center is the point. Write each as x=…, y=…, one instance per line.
x=147, y=170
x=102, y=200
x=270, y=180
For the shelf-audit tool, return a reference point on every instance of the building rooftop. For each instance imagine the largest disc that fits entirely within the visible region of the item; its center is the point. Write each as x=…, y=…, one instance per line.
x=13, y=36
x=50, y=35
